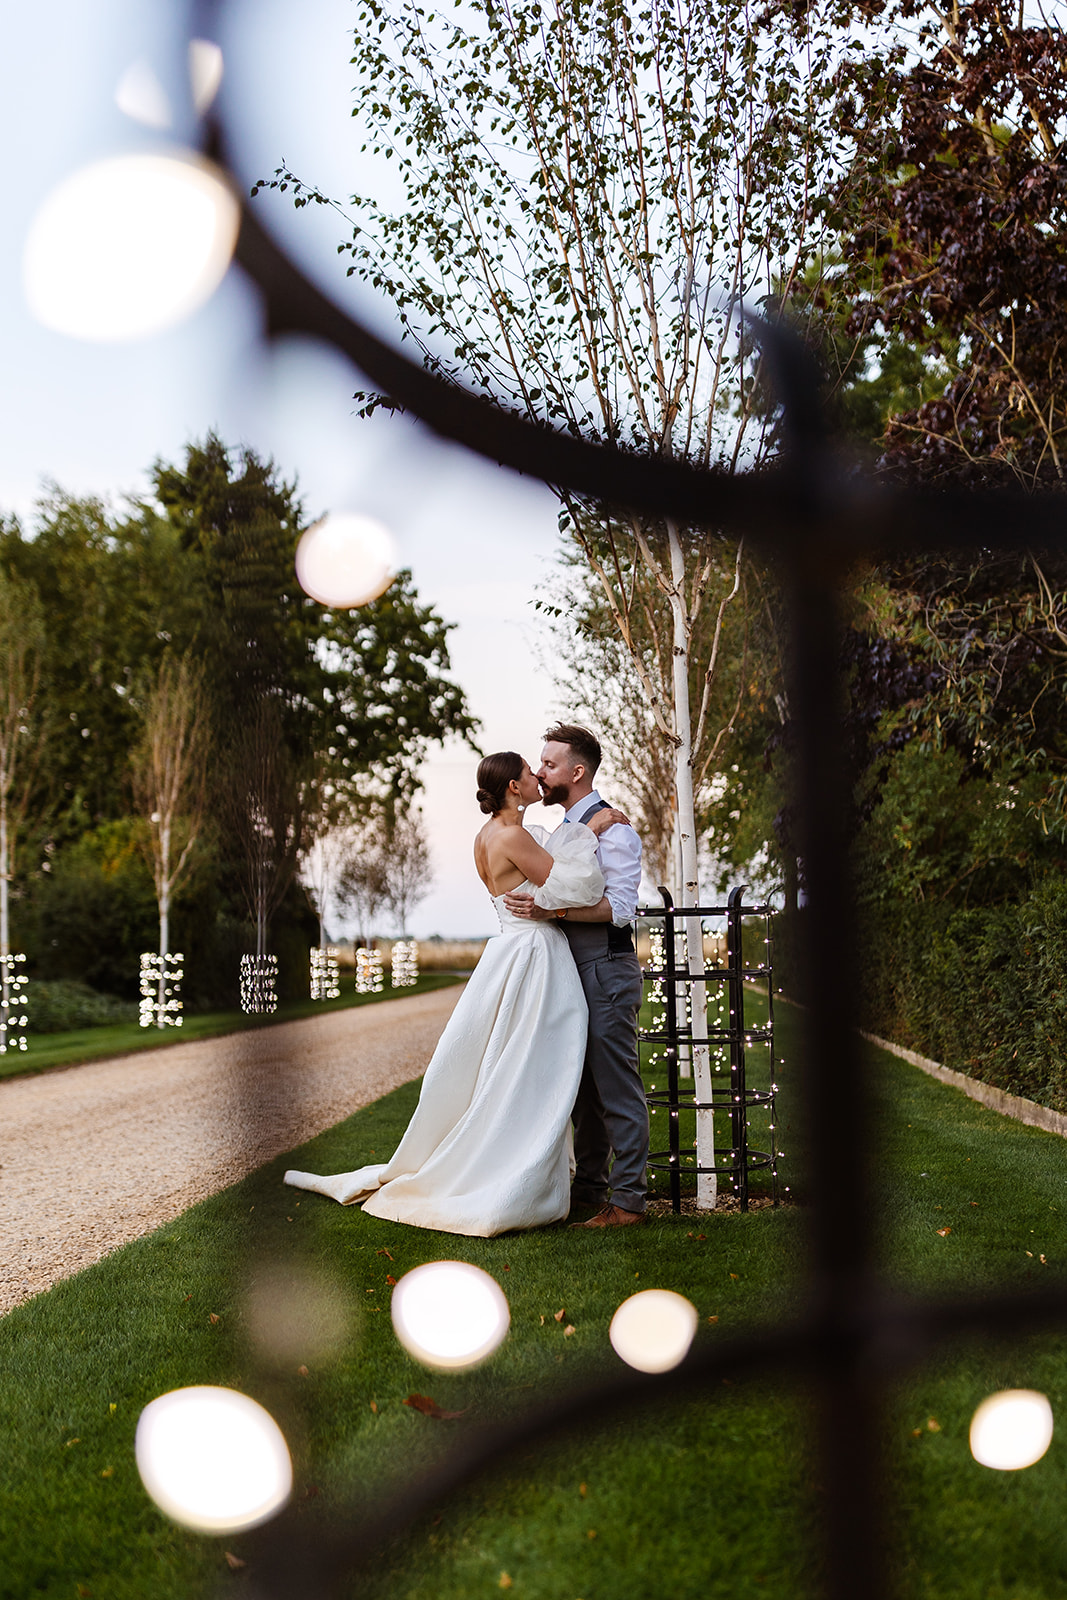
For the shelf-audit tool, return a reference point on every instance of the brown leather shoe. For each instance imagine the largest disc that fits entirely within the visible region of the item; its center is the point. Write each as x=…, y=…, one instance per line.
x=610, y=1216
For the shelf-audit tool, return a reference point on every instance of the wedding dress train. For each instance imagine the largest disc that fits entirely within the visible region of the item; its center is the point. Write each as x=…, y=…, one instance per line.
x=489, y=1146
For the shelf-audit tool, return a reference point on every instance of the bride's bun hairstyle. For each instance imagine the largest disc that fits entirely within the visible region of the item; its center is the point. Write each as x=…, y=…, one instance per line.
x=495, y=772
x=585, y=746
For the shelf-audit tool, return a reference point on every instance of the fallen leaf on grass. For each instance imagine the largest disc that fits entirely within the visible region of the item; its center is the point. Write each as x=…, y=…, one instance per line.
x=70, y=1442
x=734, y=1276
x=112, y=1407
x=943, y=1233
x=374, y=1407
x=108, y=1472
x=430, y=1408
x=916, y=1433
x=713, y=1319
x=233, y=1562
x=212, y=1317
x=933, y=1425
x=582, y=1491
x=384, y=1253
x=558, y=1316
x=390, y=1280
x=302, y=1372
x=542, y=1322
x=505, y=1581
x=569, y=1329
x=82, y=1592
x=591, y=1534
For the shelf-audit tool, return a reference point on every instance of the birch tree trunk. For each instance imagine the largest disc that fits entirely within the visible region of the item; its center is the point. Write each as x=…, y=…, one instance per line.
x=707, y=1182
x=164, y=914
x=5, y=932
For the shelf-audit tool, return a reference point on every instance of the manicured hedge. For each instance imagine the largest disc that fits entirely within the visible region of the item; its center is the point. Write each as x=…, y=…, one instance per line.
x=982, y=990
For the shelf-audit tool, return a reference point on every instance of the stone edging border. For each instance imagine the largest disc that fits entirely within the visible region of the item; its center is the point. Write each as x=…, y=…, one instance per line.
x=1008, y=1105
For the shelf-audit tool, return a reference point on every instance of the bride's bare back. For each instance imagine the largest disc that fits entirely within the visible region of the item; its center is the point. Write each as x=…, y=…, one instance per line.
x=505, y=855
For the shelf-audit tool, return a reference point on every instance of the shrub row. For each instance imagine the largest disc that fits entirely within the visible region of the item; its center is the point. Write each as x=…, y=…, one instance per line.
x=982, y=990
x=57, y=1006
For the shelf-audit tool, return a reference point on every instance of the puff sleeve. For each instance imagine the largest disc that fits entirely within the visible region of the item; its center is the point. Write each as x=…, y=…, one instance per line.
x=575, y=878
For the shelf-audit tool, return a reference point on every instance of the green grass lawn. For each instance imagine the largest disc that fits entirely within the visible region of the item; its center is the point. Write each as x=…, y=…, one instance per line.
x=69, y=1049
x=711, y=1500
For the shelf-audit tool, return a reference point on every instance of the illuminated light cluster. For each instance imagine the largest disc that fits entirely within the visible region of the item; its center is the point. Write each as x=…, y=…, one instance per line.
x=259, y=984
x=129, y=246
x=450, y=1314
x=161, y=981
x=13, y=1018
x=405, y=963
x=213, y=1459
x=1011, y=1429
x=369, y=979
x=325, y=973
x=345, y=560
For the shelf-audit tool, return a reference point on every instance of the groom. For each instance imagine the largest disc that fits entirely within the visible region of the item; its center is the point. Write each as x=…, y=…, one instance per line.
x=610, y=1113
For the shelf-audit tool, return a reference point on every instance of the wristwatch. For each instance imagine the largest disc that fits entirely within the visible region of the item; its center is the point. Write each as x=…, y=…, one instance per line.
x=561, y=913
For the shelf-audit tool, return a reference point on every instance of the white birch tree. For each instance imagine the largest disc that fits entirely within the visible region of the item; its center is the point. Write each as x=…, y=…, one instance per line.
x=592, y=189
x=21, y=642
x=169, y=769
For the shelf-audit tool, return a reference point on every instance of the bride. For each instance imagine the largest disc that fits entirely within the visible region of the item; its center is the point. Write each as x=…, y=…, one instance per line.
x=489, y=1146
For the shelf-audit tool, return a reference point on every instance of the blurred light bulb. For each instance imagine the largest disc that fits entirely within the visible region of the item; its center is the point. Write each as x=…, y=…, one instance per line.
x=345, y=560
x=449, y=1314
x=141, y=96
x=128, y=246
x=294, y=1315
x=205, y=72
x=1012, y=1429
x=653, y=1330
x=213, y=1459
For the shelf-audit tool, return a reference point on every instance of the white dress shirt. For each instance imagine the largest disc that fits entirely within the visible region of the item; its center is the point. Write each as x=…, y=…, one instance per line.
x=619, y=854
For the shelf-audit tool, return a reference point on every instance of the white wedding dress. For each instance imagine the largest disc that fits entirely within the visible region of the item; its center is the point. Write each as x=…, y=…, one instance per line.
x=489, y=1146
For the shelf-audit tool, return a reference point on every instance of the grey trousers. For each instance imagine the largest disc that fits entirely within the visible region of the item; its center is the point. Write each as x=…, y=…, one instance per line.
x=611, y=1114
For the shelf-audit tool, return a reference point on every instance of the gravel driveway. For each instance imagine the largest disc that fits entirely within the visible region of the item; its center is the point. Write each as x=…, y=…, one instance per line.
x=94, y=1156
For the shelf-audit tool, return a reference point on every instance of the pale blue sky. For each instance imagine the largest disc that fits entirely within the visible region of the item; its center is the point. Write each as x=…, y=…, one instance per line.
x=93, y=417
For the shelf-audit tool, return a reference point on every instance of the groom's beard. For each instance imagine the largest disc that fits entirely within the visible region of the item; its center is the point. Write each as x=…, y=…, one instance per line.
x=556, y=796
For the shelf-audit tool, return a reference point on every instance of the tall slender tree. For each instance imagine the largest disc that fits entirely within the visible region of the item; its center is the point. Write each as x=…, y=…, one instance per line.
x=21, y=640
x=169, y=768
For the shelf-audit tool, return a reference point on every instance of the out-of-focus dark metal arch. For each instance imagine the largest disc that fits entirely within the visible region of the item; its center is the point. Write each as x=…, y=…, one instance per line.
x=814, y=513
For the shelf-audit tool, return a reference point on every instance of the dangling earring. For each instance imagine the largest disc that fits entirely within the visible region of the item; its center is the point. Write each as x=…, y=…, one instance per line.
x=520, y=808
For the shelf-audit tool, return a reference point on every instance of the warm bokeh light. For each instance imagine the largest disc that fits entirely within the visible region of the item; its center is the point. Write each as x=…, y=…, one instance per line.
x=653, y=1330
x=141, y=96
x=213, y=1459
x=1012, y=1429
x=129, y=246
x=205, y=72
x=345, y=560
x=295, y=1316
x=448, y=1314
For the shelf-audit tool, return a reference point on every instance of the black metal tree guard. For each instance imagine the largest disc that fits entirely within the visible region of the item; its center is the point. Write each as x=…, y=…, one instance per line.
x=738, y=1160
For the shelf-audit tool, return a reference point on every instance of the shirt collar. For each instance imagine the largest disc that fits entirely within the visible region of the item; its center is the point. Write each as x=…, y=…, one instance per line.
x=581, y=806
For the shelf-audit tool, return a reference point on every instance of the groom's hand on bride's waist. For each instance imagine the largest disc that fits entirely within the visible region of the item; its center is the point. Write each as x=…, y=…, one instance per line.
x=524, y=905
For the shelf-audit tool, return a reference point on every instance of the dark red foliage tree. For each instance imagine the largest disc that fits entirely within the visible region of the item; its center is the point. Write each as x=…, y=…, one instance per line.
x=963, y=228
